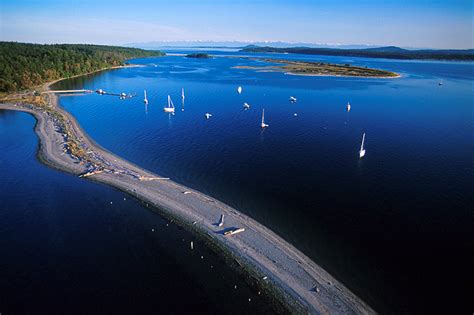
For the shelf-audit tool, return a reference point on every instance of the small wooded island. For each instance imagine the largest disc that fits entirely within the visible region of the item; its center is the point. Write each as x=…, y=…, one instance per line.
x=199, y=55
x=319, y=69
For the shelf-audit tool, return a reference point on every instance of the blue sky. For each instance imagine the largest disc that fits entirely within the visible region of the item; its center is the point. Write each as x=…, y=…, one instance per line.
x=417, y=23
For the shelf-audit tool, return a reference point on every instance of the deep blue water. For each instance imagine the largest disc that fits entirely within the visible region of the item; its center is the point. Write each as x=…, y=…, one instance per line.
x=395, y=227
x=69, y=246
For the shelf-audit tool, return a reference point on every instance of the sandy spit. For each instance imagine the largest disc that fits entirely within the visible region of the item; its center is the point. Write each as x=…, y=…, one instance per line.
x=297, y=281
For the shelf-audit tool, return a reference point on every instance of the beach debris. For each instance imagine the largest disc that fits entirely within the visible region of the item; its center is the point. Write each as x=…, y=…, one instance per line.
x=315, y=289
x=148, y=178
x=221, y=221
x=91, y=173
x=234, y=231
x=192, y=245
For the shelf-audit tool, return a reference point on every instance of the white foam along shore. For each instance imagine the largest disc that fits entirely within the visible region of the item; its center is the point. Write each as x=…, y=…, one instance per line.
x=295, y=279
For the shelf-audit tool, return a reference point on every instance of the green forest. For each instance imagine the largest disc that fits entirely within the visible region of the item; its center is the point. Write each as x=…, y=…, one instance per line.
x=23, y=66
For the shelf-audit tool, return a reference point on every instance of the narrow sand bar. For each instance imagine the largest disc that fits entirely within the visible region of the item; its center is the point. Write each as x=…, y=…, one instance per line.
x=296, y=280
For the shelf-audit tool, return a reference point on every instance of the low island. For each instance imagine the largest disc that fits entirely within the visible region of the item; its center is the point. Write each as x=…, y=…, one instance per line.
x=319, y=69
x=199, y=56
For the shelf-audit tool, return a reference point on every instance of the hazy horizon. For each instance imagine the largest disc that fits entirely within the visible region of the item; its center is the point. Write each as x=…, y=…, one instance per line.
x=415, y=24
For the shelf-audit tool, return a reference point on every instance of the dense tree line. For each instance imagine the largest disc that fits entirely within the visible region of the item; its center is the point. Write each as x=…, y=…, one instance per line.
x=391, y=52
x=26, y=65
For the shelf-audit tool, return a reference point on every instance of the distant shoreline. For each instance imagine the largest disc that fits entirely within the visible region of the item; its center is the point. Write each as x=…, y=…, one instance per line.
x=389, y=52
x=298, y=283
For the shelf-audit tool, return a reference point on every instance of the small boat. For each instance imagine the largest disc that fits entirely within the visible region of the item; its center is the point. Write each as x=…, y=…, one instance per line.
x=295, y=114
x=239, y=90
x=123, y=96
x=145, y=100
x=440, y=83
x=348, y=107
x=362, y=150
x=207, y=115
x=100, y=92
x=292, y=99
x=182, y=99
x=235, y=231
x=246, y=106
x=263, y=125
x=170, y=107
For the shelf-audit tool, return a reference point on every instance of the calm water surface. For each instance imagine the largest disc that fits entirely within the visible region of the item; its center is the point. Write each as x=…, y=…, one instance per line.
x=69, y=246
x=395, y=227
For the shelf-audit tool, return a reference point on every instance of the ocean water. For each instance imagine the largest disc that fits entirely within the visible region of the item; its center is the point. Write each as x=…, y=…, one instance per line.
x=70, y=246
x=395, y=226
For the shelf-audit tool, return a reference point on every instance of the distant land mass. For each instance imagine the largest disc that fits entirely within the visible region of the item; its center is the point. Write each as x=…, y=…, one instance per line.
x=391, y=52
x=236, y=44
x=199, y=56
x=23, y=66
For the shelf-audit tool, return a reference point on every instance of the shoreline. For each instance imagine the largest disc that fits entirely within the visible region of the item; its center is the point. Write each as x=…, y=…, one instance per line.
x=296, y=280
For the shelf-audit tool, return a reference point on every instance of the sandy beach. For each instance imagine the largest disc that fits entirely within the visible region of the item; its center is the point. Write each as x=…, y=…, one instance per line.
x=296, y=280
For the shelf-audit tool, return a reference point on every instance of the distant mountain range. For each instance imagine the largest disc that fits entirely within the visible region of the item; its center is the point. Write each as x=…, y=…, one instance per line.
x=391, y=52
x=236, y=44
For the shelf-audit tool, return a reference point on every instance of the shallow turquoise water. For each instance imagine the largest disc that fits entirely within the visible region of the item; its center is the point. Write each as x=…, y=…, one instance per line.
x=384, y=225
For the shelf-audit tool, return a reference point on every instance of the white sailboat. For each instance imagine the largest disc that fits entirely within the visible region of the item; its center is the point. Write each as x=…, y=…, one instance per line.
x=182, y=99
x=170, y=107
x=292, y=99
x=145, y=100
x=348, y=107
x=362, y=150
x=263, y=125
x=246, y=106
x=239, y=90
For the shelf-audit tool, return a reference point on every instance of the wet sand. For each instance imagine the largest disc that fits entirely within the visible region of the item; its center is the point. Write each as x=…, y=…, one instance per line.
x=296, y=280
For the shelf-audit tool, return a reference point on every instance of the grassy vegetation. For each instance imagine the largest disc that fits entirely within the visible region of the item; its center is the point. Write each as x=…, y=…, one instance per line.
x=23, y=66
x=321, y=68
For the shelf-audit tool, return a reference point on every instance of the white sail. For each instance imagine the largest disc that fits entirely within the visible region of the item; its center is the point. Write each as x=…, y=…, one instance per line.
x=263, y=125
x=170, y=107
x=362, y=150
